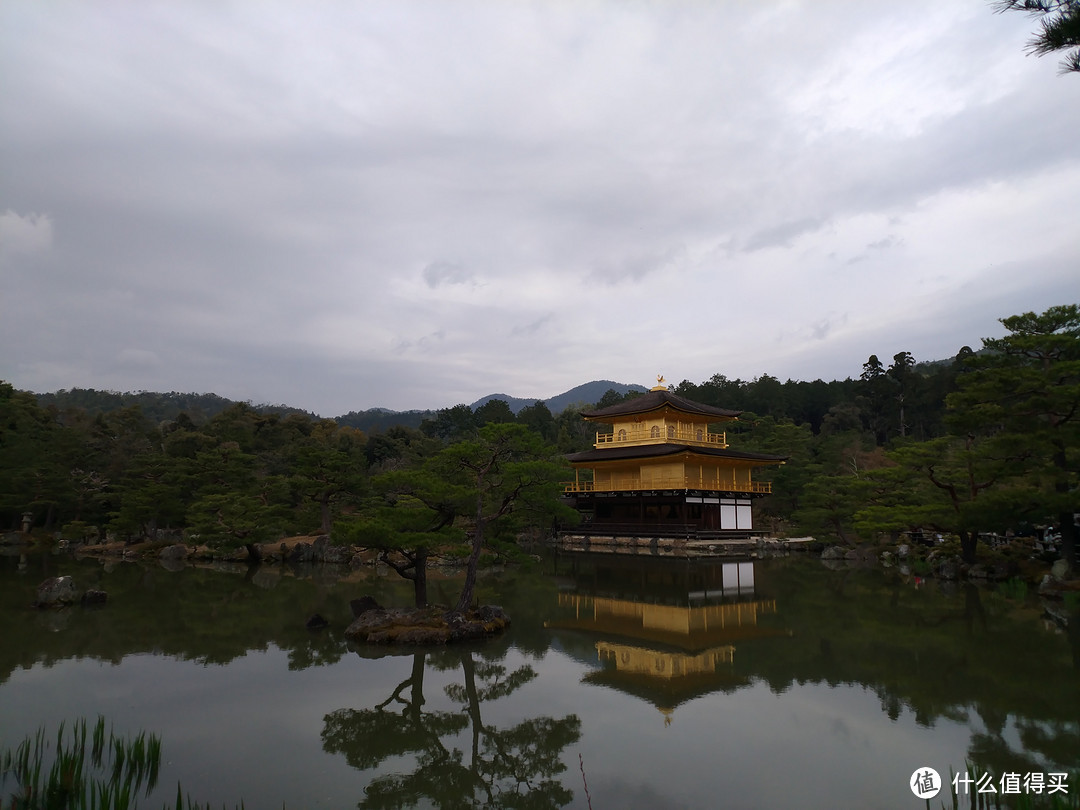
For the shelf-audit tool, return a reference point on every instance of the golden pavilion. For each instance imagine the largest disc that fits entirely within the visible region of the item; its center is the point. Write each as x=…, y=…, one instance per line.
x=664, y=469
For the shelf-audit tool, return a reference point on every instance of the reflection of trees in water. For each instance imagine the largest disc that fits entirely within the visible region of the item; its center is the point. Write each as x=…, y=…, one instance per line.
x=1057, y=741
x=501, y=767
x=1045, y=746
x=210, y=616
x=320, y=648
x=395, y=727
x=984, y=677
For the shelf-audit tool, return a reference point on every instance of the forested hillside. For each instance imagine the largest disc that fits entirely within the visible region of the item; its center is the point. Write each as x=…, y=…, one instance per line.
x=155, y=406
x=986, y=441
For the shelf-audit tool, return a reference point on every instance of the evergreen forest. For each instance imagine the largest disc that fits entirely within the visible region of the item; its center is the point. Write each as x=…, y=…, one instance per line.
x=985, y=442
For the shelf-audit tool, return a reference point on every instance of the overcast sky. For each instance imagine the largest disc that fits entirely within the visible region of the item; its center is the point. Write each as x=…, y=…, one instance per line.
x=343, y=205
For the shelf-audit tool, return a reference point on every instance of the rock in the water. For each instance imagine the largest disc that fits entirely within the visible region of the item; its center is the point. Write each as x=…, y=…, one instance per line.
x=300, y=553
x=317, y=622
x=1057, y=613
x=363, y=605
x=56, y=591
x=95, y=597
x=375, y=622
x=174, y=558
x=490, y=613
x=834, y=553
x=1060, y=569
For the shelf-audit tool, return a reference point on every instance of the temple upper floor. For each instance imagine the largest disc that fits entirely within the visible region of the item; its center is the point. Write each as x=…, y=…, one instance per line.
x=661, y=417
x=660, y=431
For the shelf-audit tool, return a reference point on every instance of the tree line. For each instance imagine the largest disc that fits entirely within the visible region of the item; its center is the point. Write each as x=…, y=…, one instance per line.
x=986, y=441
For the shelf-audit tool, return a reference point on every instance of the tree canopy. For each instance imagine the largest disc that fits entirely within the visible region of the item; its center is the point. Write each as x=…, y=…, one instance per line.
x=1059, y=28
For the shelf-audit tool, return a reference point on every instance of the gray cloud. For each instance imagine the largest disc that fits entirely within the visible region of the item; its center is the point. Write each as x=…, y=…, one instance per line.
x=533, y=327
x=782, y=235
x=24, y=234
x=438, y=273
x=885, y=243
x=634, y=267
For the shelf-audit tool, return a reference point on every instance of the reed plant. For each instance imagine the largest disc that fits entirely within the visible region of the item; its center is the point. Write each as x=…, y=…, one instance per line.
x=83, y=768
x=1014, y=588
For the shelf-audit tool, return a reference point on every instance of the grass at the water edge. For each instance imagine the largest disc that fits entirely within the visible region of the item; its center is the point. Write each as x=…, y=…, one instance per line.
x=985, y=800
x=83, y=768
x=1015, y=589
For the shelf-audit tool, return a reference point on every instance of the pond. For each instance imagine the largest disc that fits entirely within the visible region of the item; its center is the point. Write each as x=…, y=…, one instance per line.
x=623, y=682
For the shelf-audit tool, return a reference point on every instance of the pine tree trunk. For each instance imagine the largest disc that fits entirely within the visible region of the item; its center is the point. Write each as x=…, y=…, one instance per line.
x=324, y=512
x=968, y=543
x=840, y=532
x=473, y=565
x=420, y=578
x=465, y=602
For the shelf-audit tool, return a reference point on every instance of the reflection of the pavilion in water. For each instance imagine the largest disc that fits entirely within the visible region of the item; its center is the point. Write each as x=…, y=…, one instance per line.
x=667, y=630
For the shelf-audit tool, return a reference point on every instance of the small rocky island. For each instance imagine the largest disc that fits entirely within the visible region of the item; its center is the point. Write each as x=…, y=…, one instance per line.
x=375, y=624
x=59, y=592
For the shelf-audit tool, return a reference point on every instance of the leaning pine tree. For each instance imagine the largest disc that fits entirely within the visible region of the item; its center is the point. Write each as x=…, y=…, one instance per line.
x=509, y=478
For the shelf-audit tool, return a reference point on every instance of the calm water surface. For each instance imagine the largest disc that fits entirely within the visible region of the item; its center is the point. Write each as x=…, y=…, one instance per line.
x=655, y=682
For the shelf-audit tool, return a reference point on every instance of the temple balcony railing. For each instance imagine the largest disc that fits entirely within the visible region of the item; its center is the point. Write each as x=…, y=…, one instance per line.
x=693, y=437
x=669, y=483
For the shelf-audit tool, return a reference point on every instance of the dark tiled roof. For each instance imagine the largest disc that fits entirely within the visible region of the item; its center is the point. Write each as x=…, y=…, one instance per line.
x=654, y=400
x=658, y=450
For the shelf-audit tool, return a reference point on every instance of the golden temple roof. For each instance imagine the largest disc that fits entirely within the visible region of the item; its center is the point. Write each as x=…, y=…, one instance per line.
x=655, y=400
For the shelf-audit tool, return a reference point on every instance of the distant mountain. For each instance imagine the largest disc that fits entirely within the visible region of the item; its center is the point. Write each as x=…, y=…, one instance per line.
x=587, y=394
x=515, y=403
x=162, y=407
